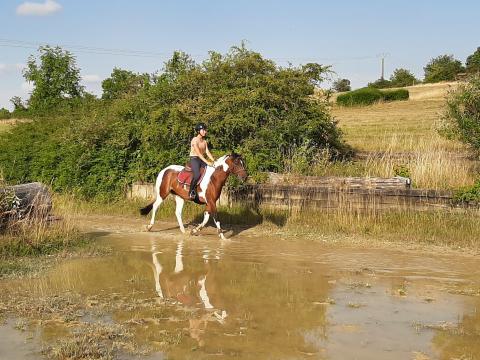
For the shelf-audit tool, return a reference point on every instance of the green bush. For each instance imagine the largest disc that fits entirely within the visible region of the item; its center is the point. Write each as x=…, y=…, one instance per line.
x=364, y=96
x=395, y=95
x=369, y=96
x=468, y=194
x=462, y=116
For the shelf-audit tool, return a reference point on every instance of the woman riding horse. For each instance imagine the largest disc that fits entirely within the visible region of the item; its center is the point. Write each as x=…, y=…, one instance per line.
x=198, y=147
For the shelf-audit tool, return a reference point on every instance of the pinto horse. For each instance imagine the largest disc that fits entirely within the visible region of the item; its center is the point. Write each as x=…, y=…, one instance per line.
x=208, y=189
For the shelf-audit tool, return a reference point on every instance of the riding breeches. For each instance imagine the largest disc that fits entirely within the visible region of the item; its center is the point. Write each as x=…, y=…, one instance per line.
x=196, y=163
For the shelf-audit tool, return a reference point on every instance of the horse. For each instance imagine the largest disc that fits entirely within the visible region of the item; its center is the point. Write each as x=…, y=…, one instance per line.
x=208, y=190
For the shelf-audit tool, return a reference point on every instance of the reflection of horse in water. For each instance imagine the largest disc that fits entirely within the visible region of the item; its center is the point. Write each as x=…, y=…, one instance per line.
x=208, y=190
x=186, y=286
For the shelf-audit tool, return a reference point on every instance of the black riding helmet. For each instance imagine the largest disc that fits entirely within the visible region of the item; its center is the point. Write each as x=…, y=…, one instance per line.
x=200, y=126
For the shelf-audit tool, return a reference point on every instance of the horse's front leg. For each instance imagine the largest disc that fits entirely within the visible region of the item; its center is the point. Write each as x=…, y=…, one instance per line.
x=217, y=223
x=206, y=216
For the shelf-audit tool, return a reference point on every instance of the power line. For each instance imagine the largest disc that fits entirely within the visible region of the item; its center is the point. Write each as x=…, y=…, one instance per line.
x=150, y=54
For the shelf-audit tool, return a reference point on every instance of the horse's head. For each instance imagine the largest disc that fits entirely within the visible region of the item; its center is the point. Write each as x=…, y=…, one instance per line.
x=236, y=166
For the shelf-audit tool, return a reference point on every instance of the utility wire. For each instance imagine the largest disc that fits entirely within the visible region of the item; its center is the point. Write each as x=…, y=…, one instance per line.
x=149, y=54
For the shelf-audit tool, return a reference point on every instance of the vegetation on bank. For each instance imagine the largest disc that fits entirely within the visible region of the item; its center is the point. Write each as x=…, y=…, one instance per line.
x=97, y=147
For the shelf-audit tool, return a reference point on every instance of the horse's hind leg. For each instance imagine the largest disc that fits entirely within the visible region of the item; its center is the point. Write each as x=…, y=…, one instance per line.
x=156, y=204
x=178, y=212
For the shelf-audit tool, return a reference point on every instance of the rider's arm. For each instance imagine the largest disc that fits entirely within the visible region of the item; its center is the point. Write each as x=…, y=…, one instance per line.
x=208, y=153
x=199, y=153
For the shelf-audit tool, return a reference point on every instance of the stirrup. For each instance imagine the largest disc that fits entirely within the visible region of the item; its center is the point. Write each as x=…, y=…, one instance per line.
x=192, y=195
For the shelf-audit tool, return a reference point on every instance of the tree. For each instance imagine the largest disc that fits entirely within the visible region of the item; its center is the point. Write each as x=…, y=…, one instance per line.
x=123, y=82
x=473, y=62
x=402, y=77
x=55, y=78
x=442, y=68
x=341, y=85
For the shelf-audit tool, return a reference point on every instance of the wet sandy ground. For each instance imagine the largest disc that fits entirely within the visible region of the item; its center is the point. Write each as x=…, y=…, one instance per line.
x=255, y=297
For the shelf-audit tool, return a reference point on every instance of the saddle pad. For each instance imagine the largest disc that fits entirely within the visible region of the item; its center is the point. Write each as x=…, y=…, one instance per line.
x=184, y=177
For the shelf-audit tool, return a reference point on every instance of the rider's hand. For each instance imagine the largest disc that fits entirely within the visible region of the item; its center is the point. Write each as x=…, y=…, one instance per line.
x=210, y=163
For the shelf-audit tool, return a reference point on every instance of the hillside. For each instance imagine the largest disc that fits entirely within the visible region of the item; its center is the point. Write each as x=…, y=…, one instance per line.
x=403, y=135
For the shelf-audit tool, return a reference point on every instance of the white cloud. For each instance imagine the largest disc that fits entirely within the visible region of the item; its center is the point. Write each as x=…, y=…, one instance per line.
x=20, y=66
x=3, y=67
x=92, y=78
x=38, y=9
x=27, y=86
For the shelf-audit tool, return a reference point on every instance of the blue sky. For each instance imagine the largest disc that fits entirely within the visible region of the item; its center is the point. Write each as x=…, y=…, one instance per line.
x=349, y=35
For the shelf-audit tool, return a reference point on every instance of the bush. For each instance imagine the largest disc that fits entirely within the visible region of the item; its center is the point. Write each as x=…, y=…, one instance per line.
x=468, y=194
x=402, y=77
x=364, y=96
x=369, y=96
x=395, y=95
x=462, y=116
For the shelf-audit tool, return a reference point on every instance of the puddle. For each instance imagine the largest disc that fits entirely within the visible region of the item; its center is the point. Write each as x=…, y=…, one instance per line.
x=250, y=297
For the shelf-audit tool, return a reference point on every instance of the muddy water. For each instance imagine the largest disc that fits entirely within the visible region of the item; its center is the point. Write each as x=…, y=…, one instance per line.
x=265, y=298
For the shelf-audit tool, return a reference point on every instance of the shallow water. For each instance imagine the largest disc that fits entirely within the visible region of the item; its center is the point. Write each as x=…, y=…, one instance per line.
x=265, y=298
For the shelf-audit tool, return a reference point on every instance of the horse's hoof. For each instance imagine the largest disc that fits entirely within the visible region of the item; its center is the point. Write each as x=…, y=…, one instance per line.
x=222, y=236
x=149, y=227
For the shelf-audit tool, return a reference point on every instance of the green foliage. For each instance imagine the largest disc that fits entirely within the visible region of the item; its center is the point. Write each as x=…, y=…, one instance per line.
x=442, y=68
x=473, y=62
x=370, y=95
x=462, y=116
x=364, y=96
x=341, y=85
x=4, y=114
x=469, y=193
x=401, y=170
x=402, y=77
x=380, y=84
x=123, y=83
x=55, y=78
x=395, y=95
x=251, y=106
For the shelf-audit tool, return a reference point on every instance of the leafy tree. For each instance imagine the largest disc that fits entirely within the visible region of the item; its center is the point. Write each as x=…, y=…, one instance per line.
x=55, y=78
x=442, y=68
x=473, y=62
x=341, y=85
x=402, y=77
x=122, y=83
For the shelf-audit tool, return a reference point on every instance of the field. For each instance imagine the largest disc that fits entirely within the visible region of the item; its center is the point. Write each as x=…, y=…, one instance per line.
x=404, y=134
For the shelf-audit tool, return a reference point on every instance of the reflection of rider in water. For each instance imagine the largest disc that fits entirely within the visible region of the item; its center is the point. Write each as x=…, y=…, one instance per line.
x=198, y=147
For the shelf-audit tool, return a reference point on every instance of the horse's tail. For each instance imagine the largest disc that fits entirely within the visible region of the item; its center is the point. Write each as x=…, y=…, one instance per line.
x=145, y=210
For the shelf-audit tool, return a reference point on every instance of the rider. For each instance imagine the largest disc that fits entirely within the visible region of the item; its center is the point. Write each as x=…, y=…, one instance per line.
x=198, y=147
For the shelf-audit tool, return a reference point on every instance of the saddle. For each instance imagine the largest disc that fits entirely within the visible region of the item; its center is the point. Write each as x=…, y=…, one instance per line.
x=185, y=176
